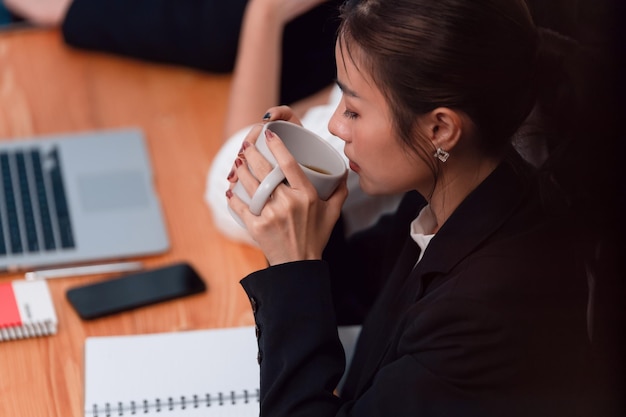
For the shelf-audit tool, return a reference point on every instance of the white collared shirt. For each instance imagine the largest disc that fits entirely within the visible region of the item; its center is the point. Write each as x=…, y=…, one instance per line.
x=422, y=229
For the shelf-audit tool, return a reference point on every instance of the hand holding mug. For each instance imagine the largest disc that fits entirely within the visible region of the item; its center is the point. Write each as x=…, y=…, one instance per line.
x=289, y=192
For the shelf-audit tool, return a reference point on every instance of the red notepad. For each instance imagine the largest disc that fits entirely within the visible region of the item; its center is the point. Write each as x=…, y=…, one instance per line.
x=26, y=310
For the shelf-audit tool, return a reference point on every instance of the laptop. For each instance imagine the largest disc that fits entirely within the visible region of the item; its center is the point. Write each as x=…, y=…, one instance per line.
x=78, y=198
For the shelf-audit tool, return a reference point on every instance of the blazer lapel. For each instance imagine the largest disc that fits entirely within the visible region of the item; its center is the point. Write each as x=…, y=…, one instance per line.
x=376, y=332
x=477, y=218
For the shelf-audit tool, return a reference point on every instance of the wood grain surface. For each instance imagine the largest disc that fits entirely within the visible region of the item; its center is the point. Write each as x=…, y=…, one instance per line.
x=47, y=87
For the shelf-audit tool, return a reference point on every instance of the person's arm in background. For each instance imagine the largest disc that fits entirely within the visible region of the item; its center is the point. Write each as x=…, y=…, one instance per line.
x=258, y=68
x=47, y=13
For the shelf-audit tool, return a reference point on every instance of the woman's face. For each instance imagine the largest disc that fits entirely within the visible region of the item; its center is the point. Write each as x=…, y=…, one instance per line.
x=364, y=121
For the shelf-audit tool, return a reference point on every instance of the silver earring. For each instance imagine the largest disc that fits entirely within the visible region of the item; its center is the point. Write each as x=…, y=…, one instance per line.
x=441, y=155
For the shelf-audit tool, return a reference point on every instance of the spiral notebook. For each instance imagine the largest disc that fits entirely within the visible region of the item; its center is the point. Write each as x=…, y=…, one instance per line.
x=205, y=373
x=211, y=372
x=26, y=310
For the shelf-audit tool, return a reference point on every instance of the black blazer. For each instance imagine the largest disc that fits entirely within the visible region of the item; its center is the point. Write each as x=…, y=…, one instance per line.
x=204, y=34
x=491, y=322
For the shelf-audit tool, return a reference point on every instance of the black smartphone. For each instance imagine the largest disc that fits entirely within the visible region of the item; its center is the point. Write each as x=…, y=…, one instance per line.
x=135, y=290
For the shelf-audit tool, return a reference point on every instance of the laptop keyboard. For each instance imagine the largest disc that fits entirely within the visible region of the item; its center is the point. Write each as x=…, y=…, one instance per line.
x=34, y=214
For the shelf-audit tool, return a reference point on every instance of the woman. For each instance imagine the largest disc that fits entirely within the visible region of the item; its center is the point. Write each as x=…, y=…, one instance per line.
x=482, y=303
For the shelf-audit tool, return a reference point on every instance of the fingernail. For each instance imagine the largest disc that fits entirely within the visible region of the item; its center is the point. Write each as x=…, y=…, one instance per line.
x=231, y=174
x=229, y=194
x=267, y=116
x=238, y=162
x=244, y=145
x=269, y=134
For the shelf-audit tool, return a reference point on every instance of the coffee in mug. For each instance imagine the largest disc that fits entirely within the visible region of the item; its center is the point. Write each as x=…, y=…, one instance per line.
x=323, y=165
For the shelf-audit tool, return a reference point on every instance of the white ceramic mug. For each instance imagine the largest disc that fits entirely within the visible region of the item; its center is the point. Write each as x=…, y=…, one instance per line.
x=322, y=164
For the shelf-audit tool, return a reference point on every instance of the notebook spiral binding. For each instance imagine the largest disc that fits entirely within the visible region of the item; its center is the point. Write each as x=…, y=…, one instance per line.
x=172, y=404
x=26, y=310
x=28, y=330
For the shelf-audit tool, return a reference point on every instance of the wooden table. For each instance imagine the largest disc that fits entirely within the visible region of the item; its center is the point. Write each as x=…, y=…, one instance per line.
x=47, y=87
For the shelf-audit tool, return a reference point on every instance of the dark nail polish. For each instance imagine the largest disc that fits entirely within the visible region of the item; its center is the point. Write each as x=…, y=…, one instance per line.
x=245, y=145
x=238, y=162
x=267, y=116
x=229, y=194
x=231, y=174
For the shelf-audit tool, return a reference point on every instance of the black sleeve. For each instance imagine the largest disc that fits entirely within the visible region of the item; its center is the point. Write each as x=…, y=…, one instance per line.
x=196, y=33
x=299, y=354
x=301, y=357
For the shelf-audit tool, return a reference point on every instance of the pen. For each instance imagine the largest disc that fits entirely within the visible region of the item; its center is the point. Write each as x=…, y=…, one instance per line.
x=83, y=270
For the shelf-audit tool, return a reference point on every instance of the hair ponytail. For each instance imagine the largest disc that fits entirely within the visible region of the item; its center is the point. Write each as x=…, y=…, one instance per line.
x=576, y=114
x=572, y=116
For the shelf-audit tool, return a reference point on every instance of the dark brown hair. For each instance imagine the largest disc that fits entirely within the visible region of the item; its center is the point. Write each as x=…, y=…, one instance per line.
x=477, y=56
